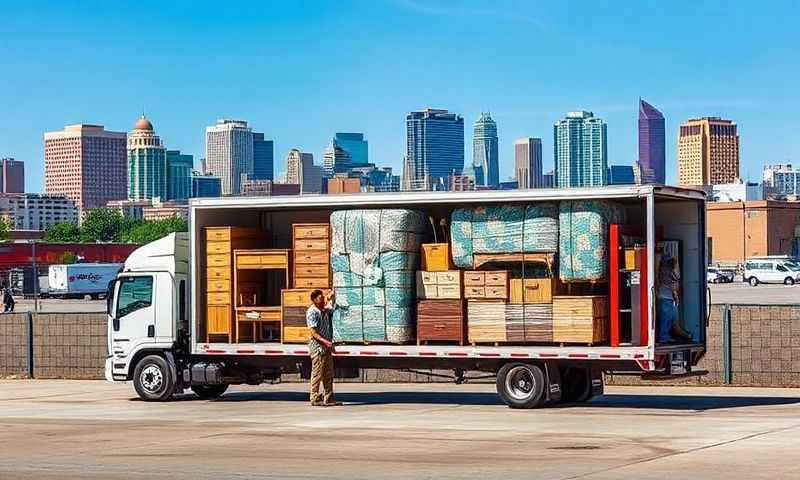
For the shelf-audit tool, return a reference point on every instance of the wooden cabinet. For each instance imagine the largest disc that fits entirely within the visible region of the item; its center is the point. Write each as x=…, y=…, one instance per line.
x=311, y=243
x=259, y=277
x=436, y=257
x=219, y=245
x=294, y=305
x=531, y=290
x=439, y=285
x=492, y=285
x=440, y=321
x=580, y=319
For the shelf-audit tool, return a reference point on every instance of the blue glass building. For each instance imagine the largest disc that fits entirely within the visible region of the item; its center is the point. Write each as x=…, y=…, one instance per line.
x=263, y=158
x=179, y=175
x=484, y=151
x=206, y=185
x=434, y=148
x=621, y=175
x=581, y=156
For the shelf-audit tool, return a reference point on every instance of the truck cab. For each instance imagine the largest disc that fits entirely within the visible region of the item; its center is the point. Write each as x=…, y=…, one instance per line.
x=147, y=315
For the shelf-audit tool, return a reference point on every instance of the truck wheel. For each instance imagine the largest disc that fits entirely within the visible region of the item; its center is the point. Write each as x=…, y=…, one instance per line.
x=208, y=392
x=153, y=380
x=521, y=385
x=576, y=385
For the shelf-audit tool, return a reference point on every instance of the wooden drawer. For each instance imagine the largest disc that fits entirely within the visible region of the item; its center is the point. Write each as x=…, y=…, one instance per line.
x=496, y=292
x=294, y=316
x=435, y=257
x=473, y=278
x=296, y=335
x=531, y=290
x=263, y=314
x=218, y=298
x=448, y=291
x=426, y=278
x=311, y=244
x=311, y=270
x=218, y=273
x=216, y=248
x=218, y=319
x=497, y=278
x=262, y=259
x=311, y=256
x=218, y=234
x=311, y=230
x=218, y=260
x=296, y=297
x=312, y=282
x=474, y=292
x=218, y=285
x=450, y=277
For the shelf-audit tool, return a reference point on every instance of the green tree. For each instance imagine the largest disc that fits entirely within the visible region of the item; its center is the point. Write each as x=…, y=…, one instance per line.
x=146, y=231
x=103, y=225
x=4, y=229
x=62, y=232
x=68, y=258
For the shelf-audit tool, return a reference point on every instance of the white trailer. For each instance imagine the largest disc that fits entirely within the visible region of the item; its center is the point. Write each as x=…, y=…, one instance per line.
x=80, y=279
x=156, y=315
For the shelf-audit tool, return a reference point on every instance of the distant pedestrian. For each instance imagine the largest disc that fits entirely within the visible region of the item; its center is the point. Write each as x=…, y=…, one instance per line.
x=320, y=346
x=8, y=300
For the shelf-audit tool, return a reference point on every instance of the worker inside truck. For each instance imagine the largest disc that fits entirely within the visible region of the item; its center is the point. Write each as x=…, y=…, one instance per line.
x=668, y=327
x=320, y=346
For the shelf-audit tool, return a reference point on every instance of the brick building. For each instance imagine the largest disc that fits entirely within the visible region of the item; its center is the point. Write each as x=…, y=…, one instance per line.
x=87, y=164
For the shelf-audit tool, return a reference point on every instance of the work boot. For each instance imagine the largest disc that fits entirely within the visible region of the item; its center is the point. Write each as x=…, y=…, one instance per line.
x=679, y=332
x=332, y=403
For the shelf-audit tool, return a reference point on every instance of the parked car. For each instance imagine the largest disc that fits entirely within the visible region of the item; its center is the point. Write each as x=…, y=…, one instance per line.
x=770, y=271
x=718, y=275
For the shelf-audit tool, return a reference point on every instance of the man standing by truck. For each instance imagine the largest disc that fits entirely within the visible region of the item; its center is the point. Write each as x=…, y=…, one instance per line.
x=320, y=346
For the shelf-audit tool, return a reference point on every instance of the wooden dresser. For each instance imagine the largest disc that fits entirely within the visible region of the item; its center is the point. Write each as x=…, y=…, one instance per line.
x=219, y=245
x=311, y=243
x=294, y=304
x=491, y=285
x=440, y=321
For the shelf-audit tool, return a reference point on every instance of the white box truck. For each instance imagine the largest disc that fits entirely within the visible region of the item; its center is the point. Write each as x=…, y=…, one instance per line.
x=157, y=321
x=81, y=279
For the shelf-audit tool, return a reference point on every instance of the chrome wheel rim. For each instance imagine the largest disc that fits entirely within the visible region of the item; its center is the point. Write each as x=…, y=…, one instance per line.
x=151, y=378
x=520, y=383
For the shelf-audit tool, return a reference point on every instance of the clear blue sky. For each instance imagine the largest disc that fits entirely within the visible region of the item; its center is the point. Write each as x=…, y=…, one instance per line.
x=300, y=71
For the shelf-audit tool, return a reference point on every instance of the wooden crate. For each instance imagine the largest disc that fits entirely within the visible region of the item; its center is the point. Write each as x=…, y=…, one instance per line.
x=440, y=320
x=439, y=285
x=531, y=290
x=580, y=319
x=488, y=285
x=486, y=321
x=529, y=322
x=436, y=257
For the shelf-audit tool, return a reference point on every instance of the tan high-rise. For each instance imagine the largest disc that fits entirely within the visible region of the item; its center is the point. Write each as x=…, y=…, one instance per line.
x=87, y=164
x=708, y=152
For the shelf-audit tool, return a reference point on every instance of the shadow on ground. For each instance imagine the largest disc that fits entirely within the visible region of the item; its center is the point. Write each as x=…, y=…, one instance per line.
x=643, y=401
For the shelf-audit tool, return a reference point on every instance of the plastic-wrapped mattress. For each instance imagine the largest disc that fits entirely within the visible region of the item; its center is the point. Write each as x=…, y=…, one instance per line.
x=583, y=239
x=503, y=229
x=374, y=258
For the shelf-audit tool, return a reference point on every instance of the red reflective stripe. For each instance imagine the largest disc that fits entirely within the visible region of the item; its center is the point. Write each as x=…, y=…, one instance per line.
x=483, y=354
x=457, y=354
x=215, y=351
x=343, y=352
x=273, y=351
x=398, y=353
x=428, y=354
x=368, y=353
x=245, y=351
x=578, y=355
x=520, y=355
x=548, y=355
x=639, y=355
x=301, y=352
x=608, y=355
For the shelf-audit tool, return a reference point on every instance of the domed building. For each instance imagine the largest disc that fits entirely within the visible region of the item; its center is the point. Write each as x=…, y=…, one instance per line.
x=147, y=163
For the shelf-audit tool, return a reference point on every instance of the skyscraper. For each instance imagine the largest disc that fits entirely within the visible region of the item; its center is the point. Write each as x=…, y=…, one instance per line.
x=179, y=175
x=355, y=146
x=12, y=176
x=434, y=148
x=229, y=152
x=147, y=163
x=87, y=164
x=580, y=150
x=263, y=158
x=708, y=152
x=300, y=169
x=528, y=163
x=207, y=186
x=651, y=144
x=484, y=149
x=336, y=159
x=621, y=175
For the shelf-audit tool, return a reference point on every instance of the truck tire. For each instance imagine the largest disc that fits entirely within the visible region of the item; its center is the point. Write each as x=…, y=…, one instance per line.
x=153, y=379
x=522, y=385
x=209, y=392
x=576, y=385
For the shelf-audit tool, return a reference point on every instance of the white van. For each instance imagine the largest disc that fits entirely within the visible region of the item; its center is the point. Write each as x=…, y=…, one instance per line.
x=764, y=270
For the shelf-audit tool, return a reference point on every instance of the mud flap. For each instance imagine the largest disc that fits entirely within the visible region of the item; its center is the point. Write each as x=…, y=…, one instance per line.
x=553, y=382
x=597, y=381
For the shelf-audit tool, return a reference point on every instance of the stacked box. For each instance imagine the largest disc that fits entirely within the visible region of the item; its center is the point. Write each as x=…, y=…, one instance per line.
x=583, y=239
x=486, y=321
x=502, y=229
x=529, y=322
x=374, y=258
x=580, y=319
x=439, y=285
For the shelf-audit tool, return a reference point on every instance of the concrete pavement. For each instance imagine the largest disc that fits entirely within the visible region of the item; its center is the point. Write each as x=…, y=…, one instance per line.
x=86, y=429
x=764, y=294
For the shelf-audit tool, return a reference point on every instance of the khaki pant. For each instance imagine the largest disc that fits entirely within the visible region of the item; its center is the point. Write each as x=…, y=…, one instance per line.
x=322, y=371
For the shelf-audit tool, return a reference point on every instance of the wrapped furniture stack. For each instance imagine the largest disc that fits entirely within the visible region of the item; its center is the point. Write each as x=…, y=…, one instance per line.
x=374, y=258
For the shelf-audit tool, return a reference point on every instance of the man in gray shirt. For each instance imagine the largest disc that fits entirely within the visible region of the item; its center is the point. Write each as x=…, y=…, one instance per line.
x=320, y=346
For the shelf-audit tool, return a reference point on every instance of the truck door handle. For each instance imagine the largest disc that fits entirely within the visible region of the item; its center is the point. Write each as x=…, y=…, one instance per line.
x=151, y=331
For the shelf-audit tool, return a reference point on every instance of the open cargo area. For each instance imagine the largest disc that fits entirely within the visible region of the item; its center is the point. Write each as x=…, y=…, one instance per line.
x=575, y=271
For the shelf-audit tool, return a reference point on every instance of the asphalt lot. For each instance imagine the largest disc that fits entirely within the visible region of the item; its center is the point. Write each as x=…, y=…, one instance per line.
x=763, y=294
x=56, y=305
x=95, y=430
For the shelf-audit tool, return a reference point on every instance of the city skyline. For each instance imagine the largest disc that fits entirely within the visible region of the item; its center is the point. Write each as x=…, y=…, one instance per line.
x=375, y=86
